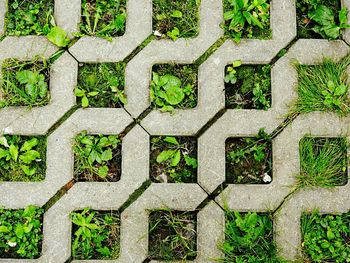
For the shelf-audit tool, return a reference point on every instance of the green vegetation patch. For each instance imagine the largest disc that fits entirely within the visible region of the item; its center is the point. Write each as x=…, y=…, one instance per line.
x=103, y=18
x=323, y=87
x=101, y=85
x=28, y=17
x=22, y=158
x=248, y=238
x=172, y=235
x=24, y=83
x=325, y=237
x=248, y=86
x=247, y=19
x=173, y=159
x=321, y=19
x=176, y=19
x=21, y=232
x=96, y=234
x=174, y=87
x=97, y=157
x=323, y=162
x=249, y=159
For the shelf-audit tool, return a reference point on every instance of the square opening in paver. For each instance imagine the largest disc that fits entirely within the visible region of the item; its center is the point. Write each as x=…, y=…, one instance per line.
x=22, y=158
x=101, y=85
x=172, y=235
x=104, y=19
x=323, y=162
x=97, y=158
x=173, y=159
x=247, y=86
x=174, y=87
x=325, y=237
x=21, y=233
x=248, y=238
x=95, y=234
x=28, y=17
x=24, y=83
x=323, y=87
x=320, y=19
x=176, y=19
x=247, y=19
x=249, y=159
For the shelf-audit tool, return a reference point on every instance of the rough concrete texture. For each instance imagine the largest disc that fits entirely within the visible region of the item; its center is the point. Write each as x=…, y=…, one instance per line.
x=209, y=121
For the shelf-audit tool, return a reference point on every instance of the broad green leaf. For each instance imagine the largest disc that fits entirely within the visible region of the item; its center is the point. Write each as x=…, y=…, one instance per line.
x=27, y=170
x=332, y=31
x=3, y=141
x=343, y=17
x=236, y=63
x=14, y=152
x=165, y=155
x=26, y=76
x=322, y=15
x=42, y=85
x=79, y=93
x=28, y=145
x=229, y=15
x=19, y=231
x=102, y=171
x=340, y=90
x=176, y=14
x=87, y=141
x=29, y=156
x=93, y=93
x=176, y=159
x=174, y=95
x=172, y=82
x=174, y=34
x=191, y=161
x=84, y=102
x=31, y=89
x=330, y=234
x=4, y=229
x=3, y=153
x=107, y=155
x=58, y=37
x=171, y=140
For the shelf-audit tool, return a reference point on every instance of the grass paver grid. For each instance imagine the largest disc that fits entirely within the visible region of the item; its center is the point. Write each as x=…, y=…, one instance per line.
x=138, y=123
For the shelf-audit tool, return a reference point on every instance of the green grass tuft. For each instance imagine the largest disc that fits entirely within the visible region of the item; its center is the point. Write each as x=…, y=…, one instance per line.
x=323, y=87
x=323, y=162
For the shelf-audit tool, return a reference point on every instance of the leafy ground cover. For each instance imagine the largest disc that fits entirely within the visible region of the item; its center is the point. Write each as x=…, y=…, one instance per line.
x=248, y=238
x=24, y=83
x=323, y=162
x=101, y=85
x=172, y=235
x=176, y=19
x=321, y=19
x=173, y=159
x=96, y=234
x=248, y=86
x=325, y=237
x=97, y=157
x=21, y=232
x=28, y=17
x=323, y=87
x=249, y=159
x=174, y=87
x=247, y=19
x=103, y=18
x=22, y=158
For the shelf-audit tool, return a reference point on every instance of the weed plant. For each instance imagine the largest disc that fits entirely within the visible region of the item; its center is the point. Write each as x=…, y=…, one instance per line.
x=323, y=162
x=101, y=85
x=248, y=87
x=248, y=238
x=249, y=160
x=247, y=19
x=325, y=237
x=97, y=157
x=21, y=232
x=176, y=19
x=103, y=18
x=95, y=234
x=172, y=235
x=174, y=87
x=323, y=87
x=173, y=159
x=321, y=19
x=22, y=158
x=24, y=83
